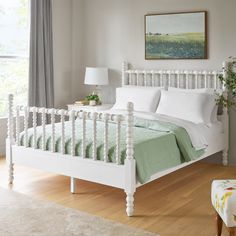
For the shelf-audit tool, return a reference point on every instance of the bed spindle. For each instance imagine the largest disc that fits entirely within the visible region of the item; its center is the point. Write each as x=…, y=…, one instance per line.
x=129, y=78
x=129, y=132
x=84, y=114
x=161, y=78
x=62, y=131
x=106, y=117
x=153, y=78
x=178, y=79
x=72, y=120
x=215, y=80
x=205, y=79
x=137, y=74
x=53, y=130
x=10, y=118
x=169, y=78
x=95, y=136
x=35, y=127
x=145, y=78
x=10, y=139
x=26, y=116
x=195, y=79
x=118, y=120
x=18, y=125
x=43, y=129
x=225, y=120
x=187, y=80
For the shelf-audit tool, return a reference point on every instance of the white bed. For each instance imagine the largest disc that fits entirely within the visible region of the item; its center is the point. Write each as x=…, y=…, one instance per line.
x=213, y=137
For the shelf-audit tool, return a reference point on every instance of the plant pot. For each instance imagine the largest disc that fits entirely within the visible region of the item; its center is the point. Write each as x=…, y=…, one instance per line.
x=92, y=103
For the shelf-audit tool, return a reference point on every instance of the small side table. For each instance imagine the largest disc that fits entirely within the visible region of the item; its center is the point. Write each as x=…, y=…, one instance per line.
x=96, y=108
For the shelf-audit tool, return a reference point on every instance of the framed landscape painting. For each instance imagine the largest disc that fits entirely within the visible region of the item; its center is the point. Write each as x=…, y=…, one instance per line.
x=176, y=35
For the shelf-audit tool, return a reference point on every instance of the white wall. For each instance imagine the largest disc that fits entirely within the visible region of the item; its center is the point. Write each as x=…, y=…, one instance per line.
x=62, y=46
x=78, y=42
x=113, y=31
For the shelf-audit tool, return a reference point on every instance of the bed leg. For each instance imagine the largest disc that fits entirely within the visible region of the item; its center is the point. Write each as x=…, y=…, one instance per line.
x=130, y=185
x=73, y=185
x=10, y=164
x=130, y=204
x=11, y=173
x=225, y=157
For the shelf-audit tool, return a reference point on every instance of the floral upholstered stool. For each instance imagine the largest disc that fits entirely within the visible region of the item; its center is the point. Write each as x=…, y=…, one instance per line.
x=223, y=197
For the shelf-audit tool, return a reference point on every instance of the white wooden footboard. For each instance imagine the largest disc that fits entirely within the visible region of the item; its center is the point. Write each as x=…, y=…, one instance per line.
x=103, y=172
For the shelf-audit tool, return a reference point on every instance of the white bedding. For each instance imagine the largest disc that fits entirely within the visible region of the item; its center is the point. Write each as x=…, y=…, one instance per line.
x=201, y=135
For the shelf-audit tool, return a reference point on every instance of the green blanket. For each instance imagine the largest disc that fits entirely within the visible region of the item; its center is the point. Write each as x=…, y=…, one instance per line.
x=158, y=145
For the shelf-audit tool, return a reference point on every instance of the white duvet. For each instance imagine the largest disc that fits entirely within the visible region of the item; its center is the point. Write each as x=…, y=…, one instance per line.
x=198, y=133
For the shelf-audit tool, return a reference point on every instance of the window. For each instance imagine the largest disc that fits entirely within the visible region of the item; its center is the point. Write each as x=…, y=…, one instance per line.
x=14, y=51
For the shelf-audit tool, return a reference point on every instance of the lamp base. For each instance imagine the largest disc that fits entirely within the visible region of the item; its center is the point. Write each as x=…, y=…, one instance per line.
x=97, y=91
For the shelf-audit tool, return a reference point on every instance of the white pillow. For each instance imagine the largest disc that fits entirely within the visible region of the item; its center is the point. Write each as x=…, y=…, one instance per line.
x=144, y=98
x=202, y=90
x=194, y=107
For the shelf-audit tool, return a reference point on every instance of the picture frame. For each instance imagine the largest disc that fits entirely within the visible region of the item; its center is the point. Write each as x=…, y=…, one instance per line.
x=179, y=35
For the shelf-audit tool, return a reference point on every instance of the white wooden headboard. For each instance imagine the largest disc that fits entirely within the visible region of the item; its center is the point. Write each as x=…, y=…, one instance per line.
x=188, y=79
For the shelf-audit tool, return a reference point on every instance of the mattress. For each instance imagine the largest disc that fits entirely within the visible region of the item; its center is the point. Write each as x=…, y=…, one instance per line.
x=214, y=137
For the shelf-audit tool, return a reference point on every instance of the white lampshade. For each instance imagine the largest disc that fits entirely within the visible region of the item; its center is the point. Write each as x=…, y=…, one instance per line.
x=96, y=76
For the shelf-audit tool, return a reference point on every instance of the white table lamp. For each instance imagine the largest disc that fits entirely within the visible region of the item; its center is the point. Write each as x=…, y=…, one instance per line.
x=96, y=76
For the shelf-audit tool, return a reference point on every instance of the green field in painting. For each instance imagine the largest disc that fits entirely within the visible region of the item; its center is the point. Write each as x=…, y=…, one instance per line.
x=186, y=45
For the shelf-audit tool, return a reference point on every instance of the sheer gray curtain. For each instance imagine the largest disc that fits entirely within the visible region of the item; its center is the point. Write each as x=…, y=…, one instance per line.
x=41, y=81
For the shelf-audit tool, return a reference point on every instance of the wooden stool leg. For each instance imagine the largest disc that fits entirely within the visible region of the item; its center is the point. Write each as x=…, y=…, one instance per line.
x=231, y=231
x=218, y=224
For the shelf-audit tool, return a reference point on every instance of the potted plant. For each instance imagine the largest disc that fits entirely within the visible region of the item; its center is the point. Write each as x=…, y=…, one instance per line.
x=93, y=99
x=229, y=83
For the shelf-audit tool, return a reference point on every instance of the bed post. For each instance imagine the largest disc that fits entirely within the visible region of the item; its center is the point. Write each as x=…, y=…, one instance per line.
x=10, y=139
x=130, y=176
x=72, y=120
x=124, y=76
x=225, y=120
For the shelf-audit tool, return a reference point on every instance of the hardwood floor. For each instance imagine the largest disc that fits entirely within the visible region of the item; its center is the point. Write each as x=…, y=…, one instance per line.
x=177, y=204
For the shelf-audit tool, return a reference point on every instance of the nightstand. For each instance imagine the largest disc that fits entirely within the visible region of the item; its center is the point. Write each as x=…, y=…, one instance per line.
x=97, y=108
